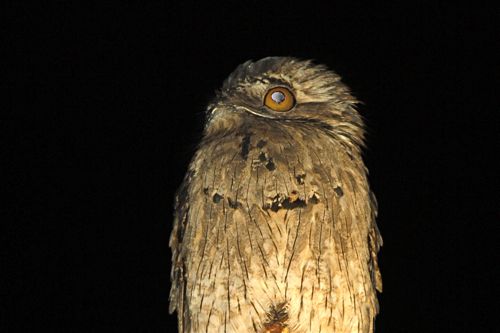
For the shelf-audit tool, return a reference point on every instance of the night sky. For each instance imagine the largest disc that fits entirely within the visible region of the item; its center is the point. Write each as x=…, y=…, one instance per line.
x=106, y=106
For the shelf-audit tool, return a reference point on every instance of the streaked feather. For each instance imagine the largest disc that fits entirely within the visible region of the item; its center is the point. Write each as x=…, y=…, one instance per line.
x=275, y=223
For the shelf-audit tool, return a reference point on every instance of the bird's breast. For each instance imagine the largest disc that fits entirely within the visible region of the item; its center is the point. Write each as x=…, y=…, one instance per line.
x=274, y=233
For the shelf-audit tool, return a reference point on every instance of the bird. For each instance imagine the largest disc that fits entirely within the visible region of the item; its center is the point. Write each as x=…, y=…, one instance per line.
x=274, y=223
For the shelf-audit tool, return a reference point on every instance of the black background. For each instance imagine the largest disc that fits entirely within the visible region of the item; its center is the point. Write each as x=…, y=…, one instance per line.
x=106, y=107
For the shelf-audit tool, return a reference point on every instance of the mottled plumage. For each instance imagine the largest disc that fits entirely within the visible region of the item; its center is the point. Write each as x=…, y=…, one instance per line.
x=275, y=223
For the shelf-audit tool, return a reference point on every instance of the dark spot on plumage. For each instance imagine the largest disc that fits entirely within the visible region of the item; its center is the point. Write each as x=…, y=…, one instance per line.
x=275, y=206
x=233, y=203
x=338, y=190
x=289, y=203
x=313, y=199
x=300, y=179
x=205, y=190
x=274, y=203
x=217, y=198
x=277, y=317
x=280, y=201
x=270, y=165
x=245, y=145
x=261, y=143
x=262, y=157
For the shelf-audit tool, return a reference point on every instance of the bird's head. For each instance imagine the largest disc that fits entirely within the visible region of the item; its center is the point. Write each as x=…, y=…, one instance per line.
x=287, y=90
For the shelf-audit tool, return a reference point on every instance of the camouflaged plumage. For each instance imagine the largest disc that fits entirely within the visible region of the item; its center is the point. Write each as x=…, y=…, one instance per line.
x=275, y=223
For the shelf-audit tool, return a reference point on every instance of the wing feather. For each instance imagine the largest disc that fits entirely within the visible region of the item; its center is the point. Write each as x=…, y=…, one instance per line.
x=177, y=274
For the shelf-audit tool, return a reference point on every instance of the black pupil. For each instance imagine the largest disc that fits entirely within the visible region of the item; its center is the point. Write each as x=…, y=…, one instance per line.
x=278, y=97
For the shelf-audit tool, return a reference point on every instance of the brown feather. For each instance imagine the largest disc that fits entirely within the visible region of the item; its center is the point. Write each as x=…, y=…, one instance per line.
x=275, y=222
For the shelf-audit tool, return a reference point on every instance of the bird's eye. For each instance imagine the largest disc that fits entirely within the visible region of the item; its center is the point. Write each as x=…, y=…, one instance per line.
x=279, y=99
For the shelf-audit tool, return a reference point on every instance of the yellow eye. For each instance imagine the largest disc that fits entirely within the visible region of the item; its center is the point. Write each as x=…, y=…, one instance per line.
x=279, y=99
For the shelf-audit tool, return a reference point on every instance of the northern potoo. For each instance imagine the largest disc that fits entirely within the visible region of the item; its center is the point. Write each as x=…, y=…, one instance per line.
x=275, y=223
